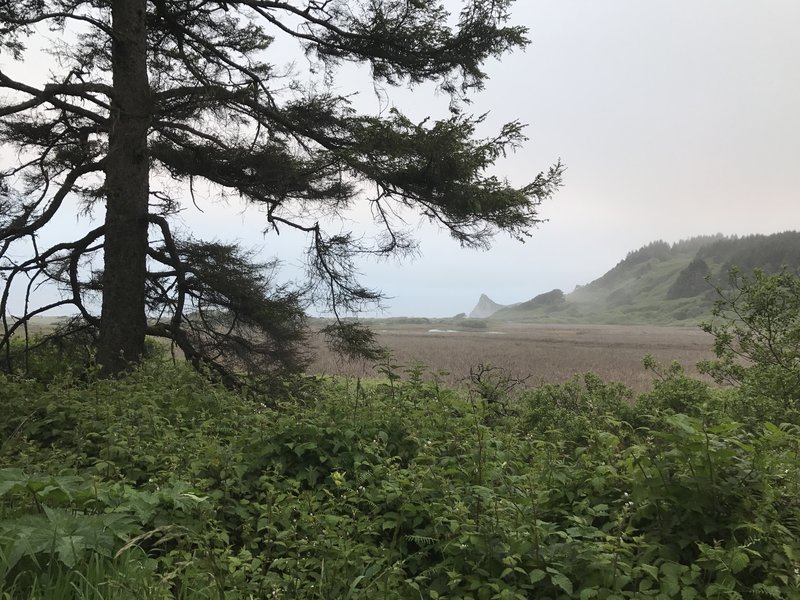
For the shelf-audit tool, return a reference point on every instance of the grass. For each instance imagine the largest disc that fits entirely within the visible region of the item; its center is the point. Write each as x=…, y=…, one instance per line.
x=543, y=353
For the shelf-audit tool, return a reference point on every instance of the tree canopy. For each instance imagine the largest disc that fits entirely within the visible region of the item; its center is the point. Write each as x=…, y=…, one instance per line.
x=148, y=98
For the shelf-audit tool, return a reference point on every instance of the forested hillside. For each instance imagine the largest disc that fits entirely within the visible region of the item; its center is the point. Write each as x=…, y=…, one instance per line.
x=662, y=283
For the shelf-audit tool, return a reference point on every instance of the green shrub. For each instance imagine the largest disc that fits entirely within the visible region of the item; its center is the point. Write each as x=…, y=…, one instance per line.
x=46, y=359
x=756, y=329
x=474, y=324
x=161, y=485
x=675, y=392
x=573, y=410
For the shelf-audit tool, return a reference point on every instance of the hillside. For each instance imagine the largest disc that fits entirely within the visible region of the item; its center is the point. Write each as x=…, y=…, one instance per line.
x=486, y=307
x=661, y=283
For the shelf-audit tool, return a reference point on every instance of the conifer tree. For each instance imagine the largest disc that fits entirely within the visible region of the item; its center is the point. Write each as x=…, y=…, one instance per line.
x=145, y=91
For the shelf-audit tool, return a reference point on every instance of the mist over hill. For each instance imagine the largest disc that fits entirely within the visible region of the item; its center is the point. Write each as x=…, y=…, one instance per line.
x=659, y=284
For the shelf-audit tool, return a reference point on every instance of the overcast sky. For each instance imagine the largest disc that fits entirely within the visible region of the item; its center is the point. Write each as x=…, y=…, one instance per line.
x=675, y=118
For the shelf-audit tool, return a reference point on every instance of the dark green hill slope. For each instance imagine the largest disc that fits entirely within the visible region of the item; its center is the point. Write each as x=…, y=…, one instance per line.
x=661, y=283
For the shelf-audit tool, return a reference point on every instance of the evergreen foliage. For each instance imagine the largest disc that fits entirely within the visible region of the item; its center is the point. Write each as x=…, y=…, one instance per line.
x=149, y=99
x=770, y=253
x=691, y=281
x=694, y=244
x=767, y=252
x=658, y=250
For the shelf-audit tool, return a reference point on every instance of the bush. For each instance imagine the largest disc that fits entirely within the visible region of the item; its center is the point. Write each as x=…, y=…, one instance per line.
x=48, y=358
x=573, y=410
x=756, y=329
x=674, y=392
x=163, y=485
x=473, y=324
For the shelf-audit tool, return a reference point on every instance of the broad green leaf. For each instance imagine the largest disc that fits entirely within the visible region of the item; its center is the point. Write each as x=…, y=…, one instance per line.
x=671, y=585
x=739, y=561
x=562, y=581
x=536, y=575
x=651, y=570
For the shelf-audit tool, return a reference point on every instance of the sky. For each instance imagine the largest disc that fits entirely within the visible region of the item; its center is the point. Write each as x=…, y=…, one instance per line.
x=675, y=118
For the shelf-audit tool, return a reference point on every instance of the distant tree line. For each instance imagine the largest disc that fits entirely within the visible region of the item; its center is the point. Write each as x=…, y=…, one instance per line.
x=770, y=253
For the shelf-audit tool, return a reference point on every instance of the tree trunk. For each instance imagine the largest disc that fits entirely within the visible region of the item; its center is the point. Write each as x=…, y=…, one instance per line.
x=123, y=320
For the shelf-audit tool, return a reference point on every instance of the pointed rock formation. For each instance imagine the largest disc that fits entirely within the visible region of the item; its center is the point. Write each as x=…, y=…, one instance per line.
x=485, y=307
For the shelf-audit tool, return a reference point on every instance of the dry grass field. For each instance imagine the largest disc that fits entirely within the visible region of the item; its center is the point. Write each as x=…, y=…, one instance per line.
x=546, y=353
x=542, y=353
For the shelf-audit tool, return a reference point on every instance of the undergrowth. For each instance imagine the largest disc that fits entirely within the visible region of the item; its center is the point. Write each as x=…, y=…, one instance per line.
x=161, y=485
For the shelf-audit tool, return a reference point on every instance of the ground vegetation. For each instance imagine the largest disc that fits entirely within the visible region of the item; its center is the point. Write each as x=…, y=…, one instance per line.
x=166, y=485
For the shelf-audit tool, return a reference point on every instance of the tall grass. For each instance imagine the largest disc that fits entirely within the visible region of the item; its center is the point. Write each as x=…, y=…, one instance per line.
x=546, y=354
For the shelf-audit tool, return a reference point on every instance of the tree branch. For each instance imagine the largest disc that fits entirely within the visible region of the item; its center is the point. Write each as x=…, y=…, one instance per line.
x=47, y=96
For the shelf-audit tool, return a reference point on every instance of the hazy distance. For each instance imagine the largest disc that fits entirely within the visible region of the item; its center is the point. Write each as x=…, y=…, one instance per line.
x=674, y=118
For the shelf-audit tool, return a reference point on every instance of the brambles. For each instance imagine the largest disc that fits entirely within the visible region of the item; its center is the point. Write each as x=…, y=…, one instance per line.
x=568, y=412
x=162, y=481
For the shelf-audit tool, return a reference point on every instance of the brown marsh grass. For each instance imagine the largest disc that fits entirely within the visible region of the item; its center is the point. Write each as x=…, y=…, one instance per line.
x=543, y=353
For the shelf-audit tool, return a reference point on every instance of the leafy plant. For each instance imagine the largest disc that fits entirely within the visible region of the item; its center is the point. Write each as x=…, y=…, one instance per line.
x=166, y=486
x=573, y=410
x=756, y=329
